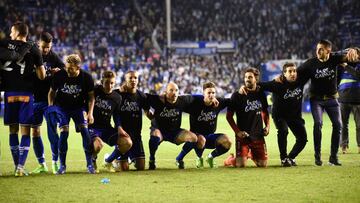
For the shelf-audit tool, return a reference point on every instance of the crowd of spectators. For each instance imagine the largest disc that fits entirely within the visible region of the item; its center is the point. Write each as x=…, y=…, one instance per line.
x=117, y=34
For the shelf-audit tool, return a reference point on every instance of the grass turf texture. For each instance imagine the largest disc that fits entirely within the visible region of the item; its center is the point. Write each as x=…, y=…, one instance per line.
x=304, y=183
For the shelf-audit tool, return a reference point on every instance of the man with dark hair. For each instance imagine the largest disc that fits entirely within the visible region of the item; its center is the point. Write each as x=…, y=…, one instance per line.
x=72, y=93
x=52, y=64
x=134, y=101
x=17, y=82
x=203, y=122
x=322, y=70
x=287, y=92
x=251, y=111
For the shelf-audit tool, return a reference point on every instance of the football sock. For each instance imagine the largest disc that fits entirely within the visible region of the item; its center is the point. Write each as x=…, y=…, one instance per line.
x=153, y=146
x=219, y=150
x=38, y=149
x=24, y=149
x=115, y=154
x=86, y=145
x=188, y=146
x=63, y=147
x=14, y=147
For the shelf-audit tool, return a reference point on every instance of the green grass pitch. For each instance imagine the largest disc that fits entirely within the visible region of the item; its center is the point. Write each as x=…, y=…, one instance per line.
x=305, y=183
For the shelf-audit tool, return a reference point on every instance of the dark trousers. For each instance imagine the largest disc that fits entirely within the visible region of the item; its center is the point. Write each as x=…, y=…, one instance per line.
x=332, y=108
x=297, y=127
x=346, y=109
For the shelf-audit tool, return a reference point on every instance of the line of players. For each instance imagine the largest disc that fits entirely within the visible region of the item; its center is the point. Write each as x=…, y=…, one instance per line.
x=64, y=91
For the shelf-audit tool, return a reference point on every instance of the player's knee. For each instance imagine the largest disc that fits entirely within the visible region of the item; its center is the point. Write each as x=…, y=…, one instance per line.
x=124, y=144
x=35, y=131
x=225, y=142
x=64, y=129
x=98, y=145
x=261, y=163
x=318, y=124
x=240, y=162
x=191, y=137
x=282, y=133
x=14, y=129
x=201, y=142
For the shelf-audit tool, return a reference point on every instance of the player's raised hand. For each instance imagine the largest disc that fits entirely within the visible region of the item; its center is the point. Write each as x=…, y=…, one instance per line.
x=243, y=90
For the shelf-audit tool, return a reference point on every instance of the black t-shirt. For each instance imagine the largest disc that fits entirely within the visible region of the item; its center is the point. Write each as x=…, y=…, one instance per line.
x=131, y=113
x=72, y=92
x=248, y=110
x=18, y=76
x=203, y=118
x=41, y=90
x=287, y=98
x=106, y=105
x=323, y=75
x=168, y=116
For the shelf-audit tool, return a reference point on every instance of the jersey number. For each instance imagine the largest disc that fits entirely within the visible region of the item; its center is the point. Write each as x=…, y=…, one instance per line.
x=6, y=67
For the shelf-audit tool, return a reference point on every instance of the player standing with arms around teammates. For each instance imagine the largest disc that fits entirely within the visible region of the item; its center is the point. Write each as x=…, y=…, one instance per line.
x=251, y=111
x=17, y=82
x=167, y=122
x=133, y=101
x=322, y=71
x=287, y=92
x=52, y=64
x=203, y=122
x=107, y=105
x=72, y=91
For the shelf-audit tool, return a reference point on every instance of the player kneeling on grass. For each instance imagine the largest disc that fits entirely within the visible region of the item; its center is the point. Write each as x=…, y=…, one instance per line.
x=251, y=112
x=204, y=111
x=107, y=105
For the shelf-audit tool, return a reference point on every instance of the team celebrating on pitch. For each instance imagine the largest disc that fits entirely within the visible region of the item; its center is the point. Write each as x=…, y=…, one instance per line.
x=38, y=84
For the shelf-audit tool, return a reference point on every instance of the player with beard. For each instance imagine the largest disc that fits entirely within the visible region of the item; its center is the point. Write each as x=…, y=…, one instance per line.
x=17, y=82
x=133, y=102
x=251, y=111
x=71, y=92
x=287, y=91
x=107, y=105
x=166, y=124
x=203, y=121
x=52, y=64
x=322, y=71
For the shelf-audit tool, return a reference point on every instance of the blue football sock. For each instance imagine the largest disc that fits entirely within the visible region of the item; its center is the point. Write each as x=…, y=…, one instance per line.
x=63, y=147
x=188, y=146
x=86, y=145
x=199, y=152
x=51, y=121
x=153, y=146
x=114, y=155
x=38, y=149
x=14, y=147
x=24, y=149
x=219, y=150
